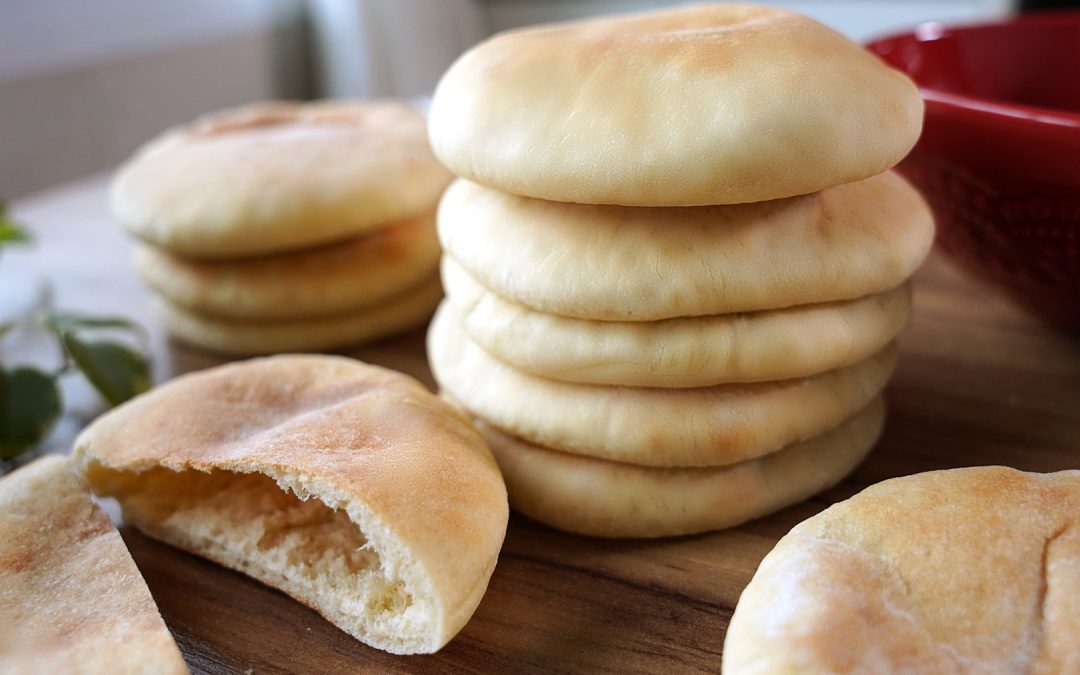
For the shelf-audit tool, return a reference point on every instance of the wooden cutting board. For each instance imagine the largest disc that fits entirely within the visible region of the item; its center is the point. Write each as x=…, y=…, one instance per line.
x=978, y=383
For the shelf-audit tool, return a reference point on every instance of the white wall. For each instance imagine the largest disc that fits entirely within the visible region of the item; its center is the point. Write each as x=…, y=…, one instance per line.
x=389, y=47
x=860, y=20
x=84, y=82
x=380, y=47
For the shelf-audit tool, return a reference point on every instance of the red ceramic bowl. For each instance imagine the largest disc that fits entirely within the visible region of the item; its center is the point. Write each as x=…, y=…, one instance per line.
x=999, y=157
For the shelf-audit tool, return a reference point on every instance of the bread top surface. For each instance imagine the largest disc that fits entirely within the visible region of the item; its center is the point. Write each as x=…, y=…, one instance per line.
x=614, y=263
x=965, y=570
x=706, y=104
x=279, y=176
x=407, y=468
x=71, y=598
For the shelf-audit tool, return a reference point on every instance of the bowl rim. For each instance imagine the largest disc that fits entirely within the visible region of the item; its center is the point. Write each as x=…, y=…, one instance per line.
x=1031, y=114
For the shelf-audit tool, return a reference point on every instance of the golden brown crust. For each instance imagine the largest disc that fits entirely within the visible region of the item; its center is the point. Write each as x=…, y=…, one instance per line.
x=690, y=427
x=397, y=314
x=71, y=598
x=276, y=177
x=410, y=471
x=611, y=499
x=708, y=104
x=613, y=263
x=966, y=570
x=691, y=352
x=323, y=281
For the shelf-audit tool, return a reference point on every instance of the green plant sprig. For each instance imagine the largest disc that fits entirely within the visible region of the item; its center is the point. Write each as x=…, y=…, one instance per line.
x=30, y=398
x=10, y=232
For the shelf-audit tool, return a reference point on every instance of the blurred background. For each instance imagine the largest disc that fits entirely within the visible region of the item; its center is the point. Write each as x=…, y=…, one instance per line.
x=84, y=82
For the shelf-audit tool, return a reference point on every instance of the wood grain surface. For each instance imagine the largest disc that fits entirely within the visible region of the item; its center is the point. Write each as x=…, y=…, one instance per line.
x=978, y=383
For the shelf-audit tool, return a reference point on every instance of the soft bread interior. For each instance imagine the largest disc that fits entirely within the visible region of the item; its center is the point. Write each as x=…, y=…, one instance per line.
x=359, y=578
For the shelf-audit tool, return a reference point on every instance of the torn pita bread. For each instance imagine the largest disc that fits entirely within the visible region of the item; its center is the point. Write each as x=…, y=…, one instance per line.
x=71, y=598
x=347, y=486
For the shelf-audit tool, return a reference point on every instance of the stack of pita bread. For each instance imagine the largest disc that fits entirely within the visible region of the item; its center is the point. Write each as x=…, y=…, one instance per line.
x=675, y=261
x=287, y=226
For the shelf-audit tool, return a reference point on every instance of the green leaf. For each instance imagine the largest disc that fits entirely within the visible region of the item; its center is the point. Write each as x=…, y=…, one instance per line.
x=29, y=407
x=60, y=322
x=116, y=371
x=6, y=327
x=10, y=234
x=9, y=231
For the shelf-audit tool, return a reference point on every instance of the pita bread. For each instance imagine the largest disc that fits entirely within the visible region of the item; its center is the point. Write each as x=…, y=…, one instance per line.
x=708, y=104
x=634, y=264
x=347, y=486
x=276, y=177
x=610, y=499
x=706, y=426
x=71, y=598
x=963, y=571
x=324, y=281
x=246, y=337
x=695, y=352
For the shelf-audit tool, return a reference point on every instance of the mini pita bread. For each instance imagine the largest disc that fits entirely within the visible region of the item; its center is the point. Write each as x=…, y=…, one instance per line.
x=634, y=264
x=693, y=352
x=389, y=317
x=708, y=104
x=610, y=499
x=347, y=486
x=71, y=598
x=971, y=570
x=324, y=281
x=706, y=426
x=274, y=177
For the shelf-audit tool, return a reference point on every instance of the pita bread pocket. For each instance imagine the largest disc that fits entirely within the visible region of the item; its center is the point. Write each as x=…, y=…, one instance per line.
x=347, y=486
